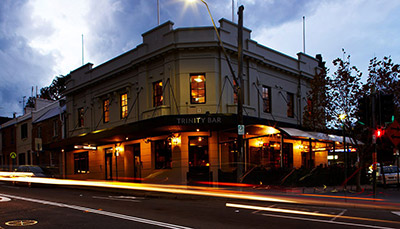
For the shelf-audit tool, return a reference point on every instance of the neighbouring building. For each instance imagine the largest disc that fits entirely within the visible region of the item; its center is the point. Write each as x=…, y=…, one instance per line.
x=48, y=126
x=17, y=137
x=166, y=111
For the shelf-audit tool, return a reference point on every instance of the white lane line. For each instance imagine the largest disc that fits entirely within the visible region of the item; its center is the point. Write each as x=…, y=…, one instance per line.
x=111, y=214
x=338, y=215
x=4, y=199
x=111, y=198
x=396, y=213
x=327, y=221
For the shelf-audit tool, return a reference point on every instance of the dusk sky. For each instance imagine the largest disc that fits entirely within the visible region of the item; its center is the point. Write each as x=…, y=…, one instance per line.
x=41, y=39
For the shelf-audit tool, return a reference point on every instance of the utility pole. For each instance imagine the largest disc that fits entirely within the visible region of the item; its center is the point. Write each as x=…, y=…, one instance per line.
x=240, y=95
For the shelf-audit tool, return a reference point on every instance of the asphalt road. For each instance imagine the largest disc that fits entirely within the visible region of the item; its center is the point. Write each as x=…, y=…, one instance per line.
x=56, y=207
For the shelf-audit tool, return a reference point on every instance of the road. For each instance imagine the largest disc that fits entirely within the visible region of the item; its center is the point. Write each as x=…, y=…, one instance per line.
x=57, y=207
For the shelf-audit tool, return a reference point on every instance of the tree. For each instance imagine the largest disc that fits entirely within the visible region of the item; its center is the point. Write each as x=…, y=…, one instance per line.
x=54, y=91
x=344, y=90
x=383, y=77
x=315, y=117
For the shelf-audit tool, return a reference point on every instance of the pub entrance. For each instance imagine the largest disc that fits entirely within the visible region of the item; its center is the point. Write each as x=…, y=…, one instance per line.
x=108, y=163
x=134, y=150
x=199, y=166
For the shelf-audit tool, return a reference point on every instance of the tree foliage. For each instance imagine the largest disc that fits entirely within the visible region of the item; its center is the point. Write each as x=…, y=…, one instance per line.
x=314, y=117
x=52, y=92
x=345, y=89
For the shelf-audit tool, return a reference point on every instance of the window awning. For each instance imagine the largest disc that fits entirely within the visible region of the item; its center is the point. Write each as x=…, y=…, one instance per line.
x=293, y=132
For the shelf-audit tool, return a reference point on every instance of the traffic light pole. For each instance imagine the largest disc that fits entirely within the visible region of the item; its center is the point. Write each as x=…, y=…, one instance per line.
x=240, y=165
x=374, y=154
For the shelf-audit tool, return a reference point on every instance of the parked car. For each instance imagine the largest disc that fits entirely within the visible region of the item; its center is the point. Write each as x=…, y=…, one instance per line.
x=390, y=172
x=30, y=171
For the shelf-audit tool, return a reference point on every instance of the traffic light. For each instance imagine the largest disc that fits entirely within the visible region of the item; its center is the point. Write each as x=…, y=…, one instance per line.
x=379, y=133
x=386, y=108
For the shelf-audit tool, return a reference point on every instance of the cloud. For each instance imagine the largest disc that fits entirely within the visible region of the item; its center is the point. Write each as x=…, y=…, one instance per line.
x=22, y=66
x=359, y=28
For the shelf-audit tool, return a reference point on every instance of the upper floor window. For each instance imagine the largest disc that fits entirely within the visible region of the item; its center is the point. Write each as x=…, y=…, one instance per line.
x=106, y=110
x=266, y=97
x=290, y=105
x=24, y=130
x=81, y=117
x=157, y=93
x=124, y=105
x=39, y=132
x=197, y=88
x=55, y=128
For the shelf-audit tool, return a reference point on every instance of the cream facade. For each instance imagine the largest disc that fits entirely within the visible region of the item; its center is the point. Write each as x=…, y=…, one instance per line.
x=165, y=111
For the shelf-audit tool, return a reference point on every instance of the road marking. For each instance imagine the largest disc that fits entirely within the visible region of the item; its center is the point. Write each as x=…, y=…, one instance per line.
x=288, y=211
x=111, y=214
x=327, y=221
x=4, y=199
x=340, y=214
x=113, y=198
x=397, y=213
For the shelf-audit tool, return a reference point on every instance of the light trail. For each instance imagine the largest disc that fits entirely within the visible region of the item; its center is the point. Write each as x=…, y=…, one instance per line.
x=343, y=197
x=173, y=189
x=288, y=211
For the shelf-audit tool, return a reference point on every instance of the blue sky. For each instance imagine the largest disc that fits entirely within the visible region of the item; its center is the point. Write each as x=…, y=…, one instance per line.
x=41, y=39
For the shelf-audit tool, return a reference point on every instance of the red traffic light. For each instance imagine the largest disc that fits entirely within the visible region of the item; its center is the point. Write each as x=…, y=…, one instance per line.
x=379, y=133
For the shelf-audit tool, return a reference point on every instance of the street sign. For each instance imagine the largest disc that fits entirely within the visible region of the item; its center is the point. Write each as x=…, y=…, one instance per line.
x=240, y=129
x=393, y=132
x=13, y=155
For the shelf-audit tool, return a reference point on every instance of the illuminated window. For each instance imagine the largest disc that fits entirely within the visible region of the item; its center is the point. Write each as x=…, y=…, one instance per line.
x=266, y=98
x=124, y=105
x=106, y=110
x=290, y=105
x=81, y=119
x=163, y=154
x=81, y=162
x=157, y=93
x=197, y=88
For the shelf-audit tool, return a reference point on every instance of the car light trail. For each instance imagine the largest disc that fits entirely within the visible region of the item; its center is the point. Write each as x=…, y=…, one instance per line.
x=343, y=197
x=288, y=211
x=174, y=189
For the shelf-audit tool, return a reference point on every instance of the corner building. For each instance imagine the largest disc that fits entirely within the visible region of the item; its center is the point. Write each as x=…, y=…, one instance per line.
x=166, y=110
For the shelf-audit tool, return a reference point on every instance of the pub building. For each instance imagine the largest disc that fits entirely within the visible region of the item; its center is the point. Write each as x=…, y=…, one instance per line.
x=166, y=111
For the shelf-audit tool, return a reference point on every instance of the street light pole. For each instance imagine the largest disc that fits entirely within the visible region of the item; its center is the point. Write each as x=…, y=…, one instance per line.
x=240, y=92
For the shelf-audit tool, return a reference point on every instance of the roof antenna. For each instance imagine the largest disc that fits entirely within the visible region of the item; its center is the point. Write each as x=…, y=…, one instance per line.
x=82, y=52
x=304, y=34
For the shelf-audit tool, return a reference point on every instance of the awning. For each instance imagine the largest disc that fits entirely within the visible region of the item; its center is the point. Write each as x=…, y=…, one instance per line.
x=293, y=132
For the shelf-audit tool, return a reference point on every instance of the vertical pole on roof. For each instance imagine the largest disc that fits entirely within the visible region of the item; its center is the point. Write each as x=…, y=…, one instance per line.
x=158, y=12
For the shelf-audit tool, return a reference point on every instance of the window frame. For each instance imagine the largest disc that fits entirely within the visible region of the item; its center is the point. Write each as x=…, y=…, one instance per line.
x=55, y=128
x=81, y=117
x=266, y=101
x=81, y=162
x=192, y=89
x=24, y=131
x=158, y=98
x=123, y=105
x=290, y=104
x=162, y=148
x=106, y=111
